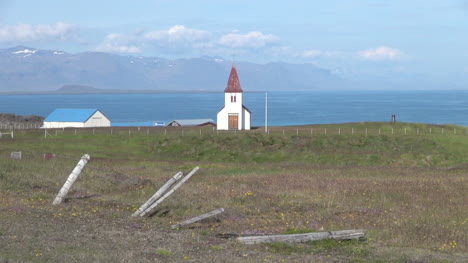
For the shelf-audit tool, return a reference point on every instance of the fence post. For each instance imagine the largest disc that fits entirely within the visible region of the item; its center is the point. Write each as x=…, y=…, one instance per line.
x=71, y=179
x=417, y=131
x=454, y=131
x=442, y=130
x=379, y=131
x=339, y=131
x=352, y=130
x=147, y=131
x=392, y=130
x=325, y=131
x=311, y=131
x=366, y=131
x=405, y=131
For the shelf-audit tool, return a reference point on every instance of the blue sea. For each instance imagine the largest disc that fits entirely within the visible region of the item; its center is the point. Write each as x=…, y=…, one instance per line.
x=284, y=108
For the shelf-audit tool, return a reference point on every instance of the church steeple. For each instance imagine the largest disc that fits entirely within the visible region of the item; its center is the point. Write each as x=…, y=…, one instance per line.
x=233, y=84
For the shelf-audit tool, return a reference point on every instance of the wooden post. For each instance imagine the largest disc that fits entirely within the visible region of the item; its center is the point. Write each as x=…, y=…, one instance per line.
x=75, y=132
x=405, y=131
x=71, y=179
x=392, y=130
x=45, y=133
x=325, y=131
x=352, y=130
x=430, y=130
x=167, y=194
x=379, y=131
x=159, y=193
x=147, y=131
x=366, y=131
x=311, y=131
x=297, y=238
x=417, y=131
x=297, y=131
x=198, y=218
x=454, y=131
x=442, y=130
x=111, y=131
x=129, y=132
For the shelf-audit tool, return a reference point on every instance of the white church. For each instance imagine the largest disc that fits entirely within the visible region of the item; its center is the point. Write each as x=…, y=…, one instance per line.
x=234, y=115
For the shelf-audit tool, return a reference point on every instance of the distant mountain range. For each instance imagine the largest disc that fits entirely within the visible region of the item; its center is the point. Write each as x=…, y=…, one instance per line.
x=26, y=69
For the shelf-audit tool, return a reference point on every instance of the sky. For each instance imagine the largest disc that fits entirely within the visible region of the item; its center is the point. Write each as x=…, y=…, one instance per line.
x=423, y=42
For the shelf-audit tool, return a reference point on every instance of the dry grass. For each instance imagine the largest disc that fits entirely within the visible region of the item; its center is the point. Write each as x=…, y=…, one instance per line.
x=411, y=213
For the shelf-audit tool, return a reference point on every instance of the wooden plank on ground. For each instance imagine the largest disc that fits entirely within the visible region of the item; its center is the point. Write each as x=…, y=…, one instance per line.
x=198, y=218
x=298, y=238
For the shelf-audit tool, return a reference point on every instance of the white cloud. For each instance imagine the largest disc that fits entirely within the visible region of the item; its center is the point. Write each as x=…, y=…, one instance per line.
x=118, y=43
x=29, y=33
x=179, y=35
x=250, y=40
x=381, y=53
x=311, y=53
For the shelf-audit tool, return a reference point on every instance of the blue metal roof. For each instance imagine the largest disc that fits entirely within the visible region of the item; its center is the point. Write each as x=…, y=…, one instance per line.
x=70, y=115
x=137, y=124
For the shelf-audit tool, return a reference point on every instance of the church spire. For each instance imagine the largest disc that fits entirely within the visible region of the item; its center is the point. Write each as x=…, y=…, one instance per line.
x=233, y=84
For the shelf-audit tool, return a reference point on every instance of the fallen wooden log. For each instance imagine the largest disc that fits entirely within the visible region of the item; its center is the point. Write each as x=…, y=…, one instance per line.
x=71, y=179
x=159, y=193
x=198, y=218
x=298, y=238
x=167, y=194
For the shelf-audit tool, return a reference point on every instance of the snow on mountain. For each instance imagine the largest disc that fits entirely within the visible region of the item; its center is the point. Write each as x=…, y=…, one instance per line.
x=25, y=51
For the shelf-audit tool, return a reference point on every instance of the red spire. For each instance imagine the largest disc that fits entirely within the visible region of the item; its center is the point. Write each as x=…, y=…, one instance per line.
x=233, y=84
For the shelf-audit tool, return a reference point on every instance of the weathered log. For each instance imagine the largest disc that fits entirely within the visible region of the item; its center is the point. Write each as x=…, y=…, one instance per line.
x=159, y=193
x=167, y=194
x=298, y=238
x=198, y=218
x=71, y=179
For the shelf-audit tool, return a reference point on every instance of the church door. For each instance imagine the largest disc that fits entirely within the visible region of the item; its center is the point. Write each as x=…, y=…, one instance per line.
x=233, y=122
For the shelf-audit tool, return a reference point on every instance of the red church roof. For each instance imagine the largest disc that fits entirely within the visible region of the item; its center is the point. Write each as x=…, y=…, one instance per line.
x=233, y=84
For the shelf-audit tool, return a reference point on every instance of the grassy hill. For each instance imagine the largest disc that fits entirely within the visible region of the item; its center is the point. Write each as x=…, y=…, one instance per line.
x=404, y=183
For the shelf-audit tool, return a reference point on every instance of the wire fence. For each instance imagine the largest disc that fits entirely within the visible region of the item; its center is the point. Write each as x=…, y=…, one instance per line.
x=212, y=131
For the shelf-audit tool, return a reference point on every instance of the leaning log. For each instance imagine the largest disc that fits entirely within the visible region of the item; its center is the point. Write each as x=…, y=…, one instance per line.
x=299, y=238
x=198, y=218
x=71, y=179
x=159, y=193
x=167, y=194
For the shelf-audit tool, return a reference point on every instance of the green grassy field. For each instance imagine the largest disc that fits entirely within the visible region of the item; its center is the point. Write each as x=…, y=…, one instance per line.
x=405, y=184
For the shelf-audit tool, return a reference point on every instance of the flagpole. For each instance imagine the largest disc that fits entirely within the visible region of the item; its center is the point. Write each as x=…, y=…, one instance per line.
x=266, y=111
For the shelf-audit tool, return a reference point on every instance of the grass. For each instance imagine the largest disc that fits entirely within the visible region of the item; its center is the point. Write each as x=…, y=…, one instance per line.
x=406, y=191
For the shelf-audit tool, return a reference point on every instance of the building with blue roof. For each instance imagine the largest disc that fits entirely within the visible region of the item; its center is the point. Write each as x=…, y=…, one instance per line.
x=76, y=118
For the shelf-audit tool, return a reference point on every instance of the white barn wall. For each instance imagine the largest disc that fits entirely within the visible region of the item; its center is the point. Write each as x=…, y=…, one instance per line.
x=55, y=124
x=97, y=120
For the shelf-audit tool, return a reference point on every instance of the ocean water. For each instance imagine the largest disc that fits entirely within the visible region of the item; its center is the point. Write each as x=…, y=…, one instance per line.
x=284, y=108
